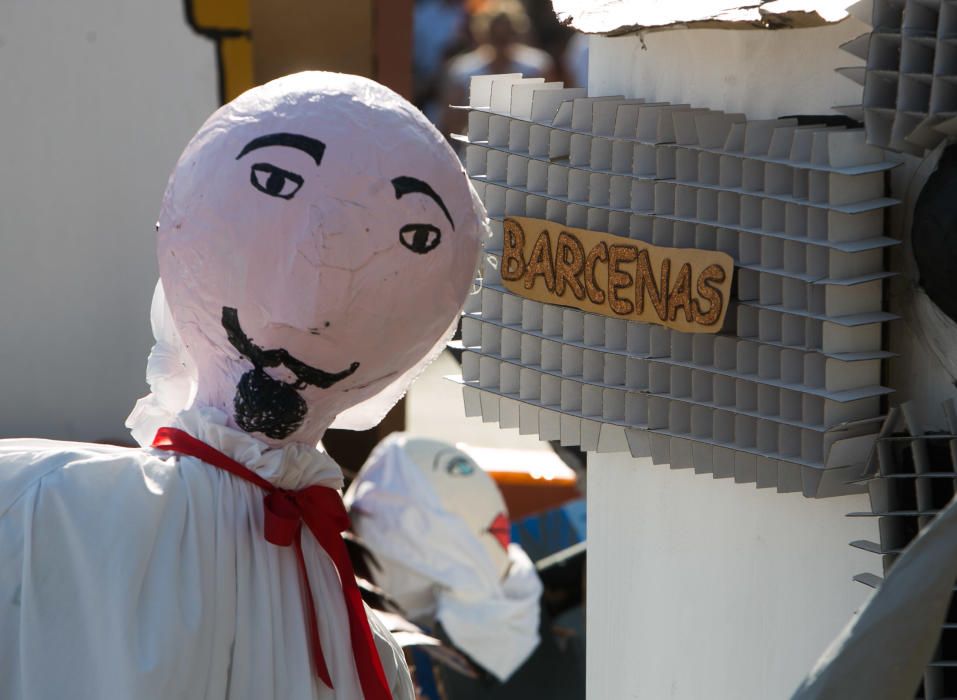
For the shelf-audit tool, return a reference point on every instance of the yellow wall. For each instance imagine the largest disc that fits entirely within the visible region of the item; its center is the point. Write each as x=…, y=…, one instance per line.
x=295, y=35
x=258, y=40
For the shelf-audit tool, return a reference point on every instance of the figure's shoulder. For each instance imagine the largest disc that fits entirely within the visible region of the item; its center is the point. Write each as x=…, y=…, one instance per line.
x=465, y=65
x=69, y=467
x=41, y=447
x=532, y=59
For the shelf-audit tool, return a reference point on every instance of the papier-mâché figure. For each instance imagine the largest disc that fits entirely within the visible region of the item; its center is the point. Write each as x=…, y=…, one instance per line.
x=316, y=242
x=438, y=529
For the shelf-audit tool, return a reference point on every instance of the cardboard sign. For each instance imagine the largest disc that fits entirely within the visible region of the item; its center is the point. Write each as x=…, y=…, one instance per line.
x=682, y=288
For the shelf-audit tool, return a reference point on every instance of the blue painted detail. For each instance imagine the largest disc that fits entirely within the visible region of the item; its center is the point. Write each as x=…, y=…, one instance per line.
x=552, y=531
x=578, y=515
x=424, y=674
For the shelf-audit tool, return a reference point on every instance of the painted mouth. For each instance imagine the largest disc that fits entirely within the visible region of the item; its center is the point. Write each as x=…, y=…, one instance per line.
x=501, y=530
x=305, y=374
x=266, y=405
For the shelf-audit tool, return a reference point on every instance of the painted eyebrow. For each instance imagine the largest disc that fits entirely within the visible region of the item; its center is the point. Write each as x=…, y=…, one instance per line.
x=409, y=185
x=306, y=144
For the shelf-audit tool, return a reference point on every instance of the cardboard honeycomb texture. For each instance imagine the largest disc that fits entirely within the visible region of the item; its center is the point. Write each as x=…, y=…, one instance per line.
x=788, y=396
x=909, y=73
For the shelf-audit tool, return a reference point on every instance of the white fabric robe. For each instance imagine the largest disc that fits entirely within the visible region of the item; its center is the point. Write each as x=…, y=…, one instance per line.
x=136, y=574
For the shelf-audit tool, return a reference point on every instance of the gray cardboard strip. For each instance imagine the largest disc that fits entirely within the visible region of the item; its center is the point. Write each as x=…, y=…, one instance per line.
x=767, y=473
x=639, y=442
x=681, y=453
x=745, y=468
x=660, y=448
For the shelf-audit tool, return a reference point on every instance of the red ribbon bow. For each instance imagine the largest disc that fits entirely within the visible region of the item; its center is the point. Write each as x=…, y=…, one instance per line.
x=323, y=512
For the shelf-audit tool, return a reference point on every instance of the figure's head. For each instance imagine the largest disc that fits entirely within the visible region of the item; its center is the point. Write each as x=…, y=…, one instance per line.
x=317, y=239
x=417, y=501
x=501, y=23
x=438, y=531
x=466, y=491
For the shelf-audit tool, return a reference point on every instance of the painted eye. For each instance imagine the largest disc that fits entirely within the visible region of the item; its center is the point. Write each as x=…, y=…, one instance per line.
x=419, y=238
x=460, y=467
x=274, y=181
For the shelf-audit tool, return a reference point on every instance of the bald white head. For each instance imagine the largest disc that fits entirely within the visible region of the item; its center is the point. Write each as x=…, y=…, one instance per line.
x=317, y=239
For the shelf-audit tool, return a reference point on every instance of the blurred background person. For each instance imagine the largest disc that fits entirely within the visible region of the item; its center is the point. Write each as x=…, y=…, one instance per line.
x=502, y=30
x=440, y=29
x=575, y=60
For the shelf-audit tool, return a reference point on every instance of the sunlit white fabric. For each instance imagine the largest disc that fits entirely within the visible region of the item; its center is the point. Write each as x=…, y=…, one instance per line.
x=434, y=566
x=129, y=573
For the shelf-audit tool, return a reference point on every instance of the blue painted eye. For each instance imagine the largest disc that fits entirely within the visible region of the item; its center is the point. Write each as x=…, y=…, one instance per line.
x=460, y=467
x=274, y=181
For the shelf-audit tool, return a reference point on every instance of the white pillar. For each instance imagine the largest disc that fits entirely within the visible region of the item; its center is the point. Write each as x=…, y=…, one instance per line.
x=703, y=588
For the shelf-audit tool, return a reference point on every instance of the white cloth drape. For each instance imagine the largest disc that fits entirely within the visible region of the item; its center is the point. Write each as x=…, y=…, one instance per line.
x=132, y=574
x=434, y=566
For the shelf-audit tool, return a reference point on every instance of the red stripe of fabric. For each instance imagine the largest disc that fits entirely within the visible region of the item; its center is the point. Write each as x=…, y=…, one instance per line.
x=371, y=673
x=312, y=621
x=322, y=510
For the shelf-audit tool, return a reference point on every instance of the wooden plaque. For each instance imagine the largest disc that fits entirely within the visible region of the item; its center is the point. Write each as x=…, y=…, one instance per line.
x=682, y=288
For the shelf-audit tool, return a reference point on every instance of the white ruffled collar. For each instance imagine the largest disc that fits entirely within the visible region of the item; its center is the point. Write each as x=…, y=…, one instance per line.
x=292, y=467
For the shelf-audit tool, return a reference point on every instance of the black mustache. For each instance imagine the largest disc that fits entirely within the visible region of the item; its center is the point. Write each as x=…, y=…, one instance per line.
x=273, y=358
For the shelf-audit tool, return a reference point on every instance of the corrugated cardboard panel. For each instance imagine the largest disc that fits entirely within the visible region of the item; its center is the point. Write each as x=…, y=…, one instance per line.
x=787, y=394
